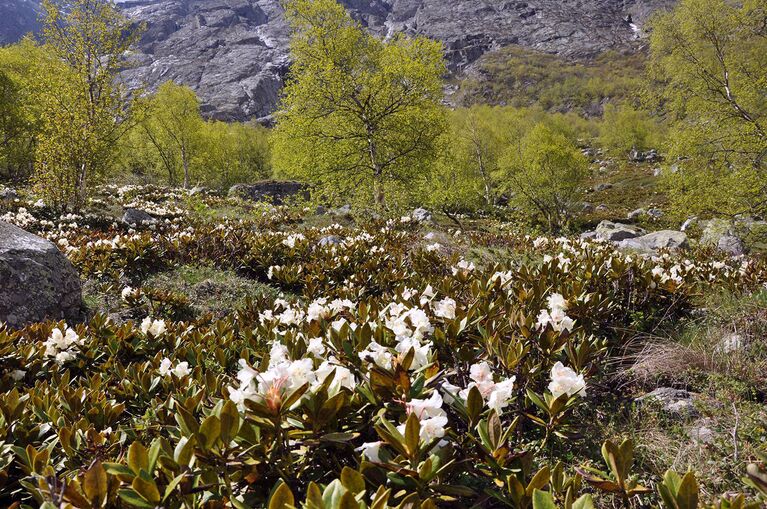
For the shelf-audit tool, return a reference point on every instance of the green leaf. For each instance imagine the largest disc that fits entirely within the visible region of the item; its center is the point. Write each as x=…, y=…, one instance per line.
x=584, y=502
x=230, y=421
x=282, y=498
x=687, y=496
x=543, y=500
x=412, y=434
x=210, y=431
x=147, y=489
x=95, y=484
x=138, y=457
x=474, y=404
x=352, y=480
x=134, y=499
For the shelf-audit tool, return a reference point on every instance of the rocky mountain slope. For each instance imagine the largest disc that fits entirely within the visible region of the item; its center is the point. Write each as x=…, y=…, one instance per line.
x=17, y=18
x=234, y=52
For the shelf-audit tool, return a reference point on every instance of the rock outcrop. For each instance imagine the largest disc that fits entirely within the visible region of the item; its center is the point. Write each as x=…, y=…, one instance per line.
x=234, y=53
x=37, y=282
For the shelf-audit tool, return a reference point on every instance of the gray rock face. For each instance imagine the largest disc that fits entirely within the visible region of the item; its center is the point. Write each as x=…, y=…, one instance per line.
x=615, y=232
x=136, y=217
x=37, y=282
x=273, y=191
x=234, y=53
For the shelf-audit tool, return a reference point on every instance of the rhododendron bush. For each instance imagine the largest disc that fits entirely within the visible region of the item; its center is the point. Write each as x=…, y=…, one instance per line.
x=387, y=373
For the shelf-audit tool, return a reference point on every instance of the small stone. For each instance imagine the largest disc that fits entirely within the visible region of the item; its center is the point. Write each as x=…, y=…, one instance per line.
x=421, y=215
x=675, y=402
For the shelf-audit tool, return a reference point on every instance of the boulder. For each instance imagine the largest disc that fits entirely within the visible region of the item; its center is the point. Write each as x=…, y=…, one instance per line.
x=635, y=215
x=722, y=235
x=602, y=187
x=587, y=208
x=615, y=232
x=674, y=402
x=273, y=191
x=664, y=239
x=342, y=211
x=37, y=282
x=329, y=240
x=198, y=190
x=421, y=215
x=651, y=156
x=602, y=208
x=8, y=194
x=655, y=213
x=731, y=245
x=137, y=217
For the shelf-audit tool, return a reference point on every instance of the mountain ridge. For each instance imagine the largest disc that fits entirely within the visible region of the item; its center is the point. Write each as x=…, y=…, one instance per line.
x=234, y=53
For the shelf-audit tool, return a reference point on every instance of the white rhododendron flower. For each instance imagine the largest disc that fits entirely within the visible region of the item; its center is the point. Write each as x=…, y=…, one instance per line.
x=556, y=315
x=463, y=267
x=564, y=380
x=378, y=354
x=127, y=293
x=445, y=308
x=316, y=347
x=60, y=343
x=426, y=408
x=497, y=396
x=153, y=327
x=371, y=451
x=180, y=370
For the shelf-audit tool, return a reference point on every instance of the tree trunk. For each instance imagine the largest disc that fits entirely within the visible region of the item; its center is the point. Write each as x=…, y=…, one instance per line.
x=185, y=161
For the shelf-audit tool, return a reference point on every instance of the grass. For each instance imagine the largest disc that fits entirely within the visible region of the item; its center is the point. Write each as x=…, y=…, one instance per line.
x=210, y=290
x=729, y=388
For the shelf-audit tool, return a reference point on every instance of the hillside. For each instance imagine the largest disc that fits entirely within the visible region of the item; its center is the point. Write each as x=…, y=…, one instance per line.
x=234, y=52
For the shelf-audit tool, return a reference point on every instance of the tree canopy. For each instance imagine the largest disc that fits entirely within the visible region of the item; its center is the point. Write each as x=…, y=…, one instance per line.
x=360, y=117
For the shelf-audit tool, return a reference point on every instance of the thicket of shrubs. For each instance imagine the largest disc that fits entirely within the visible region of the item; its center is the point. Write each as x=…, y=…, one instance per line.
x=389, y=374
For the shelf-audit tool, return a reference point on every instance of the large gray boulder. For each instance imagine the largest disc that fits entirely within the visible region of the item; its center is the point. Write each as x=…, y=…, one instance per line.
x=615, y=232
x=273, y=191
x=137, y=217
x=37, y=282
x=664, y=239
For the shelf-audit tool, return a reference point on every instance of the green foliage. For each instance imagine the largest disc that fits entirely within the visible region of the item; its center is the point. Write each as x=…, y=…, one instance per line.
x=85, y=109
x=173, y=126
x=175, y=145
x=271, y=405
x=545, y=173
x=360, y=117
x=712, y=57
x=20, y=113
x=624, y=128
x=521, y=77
